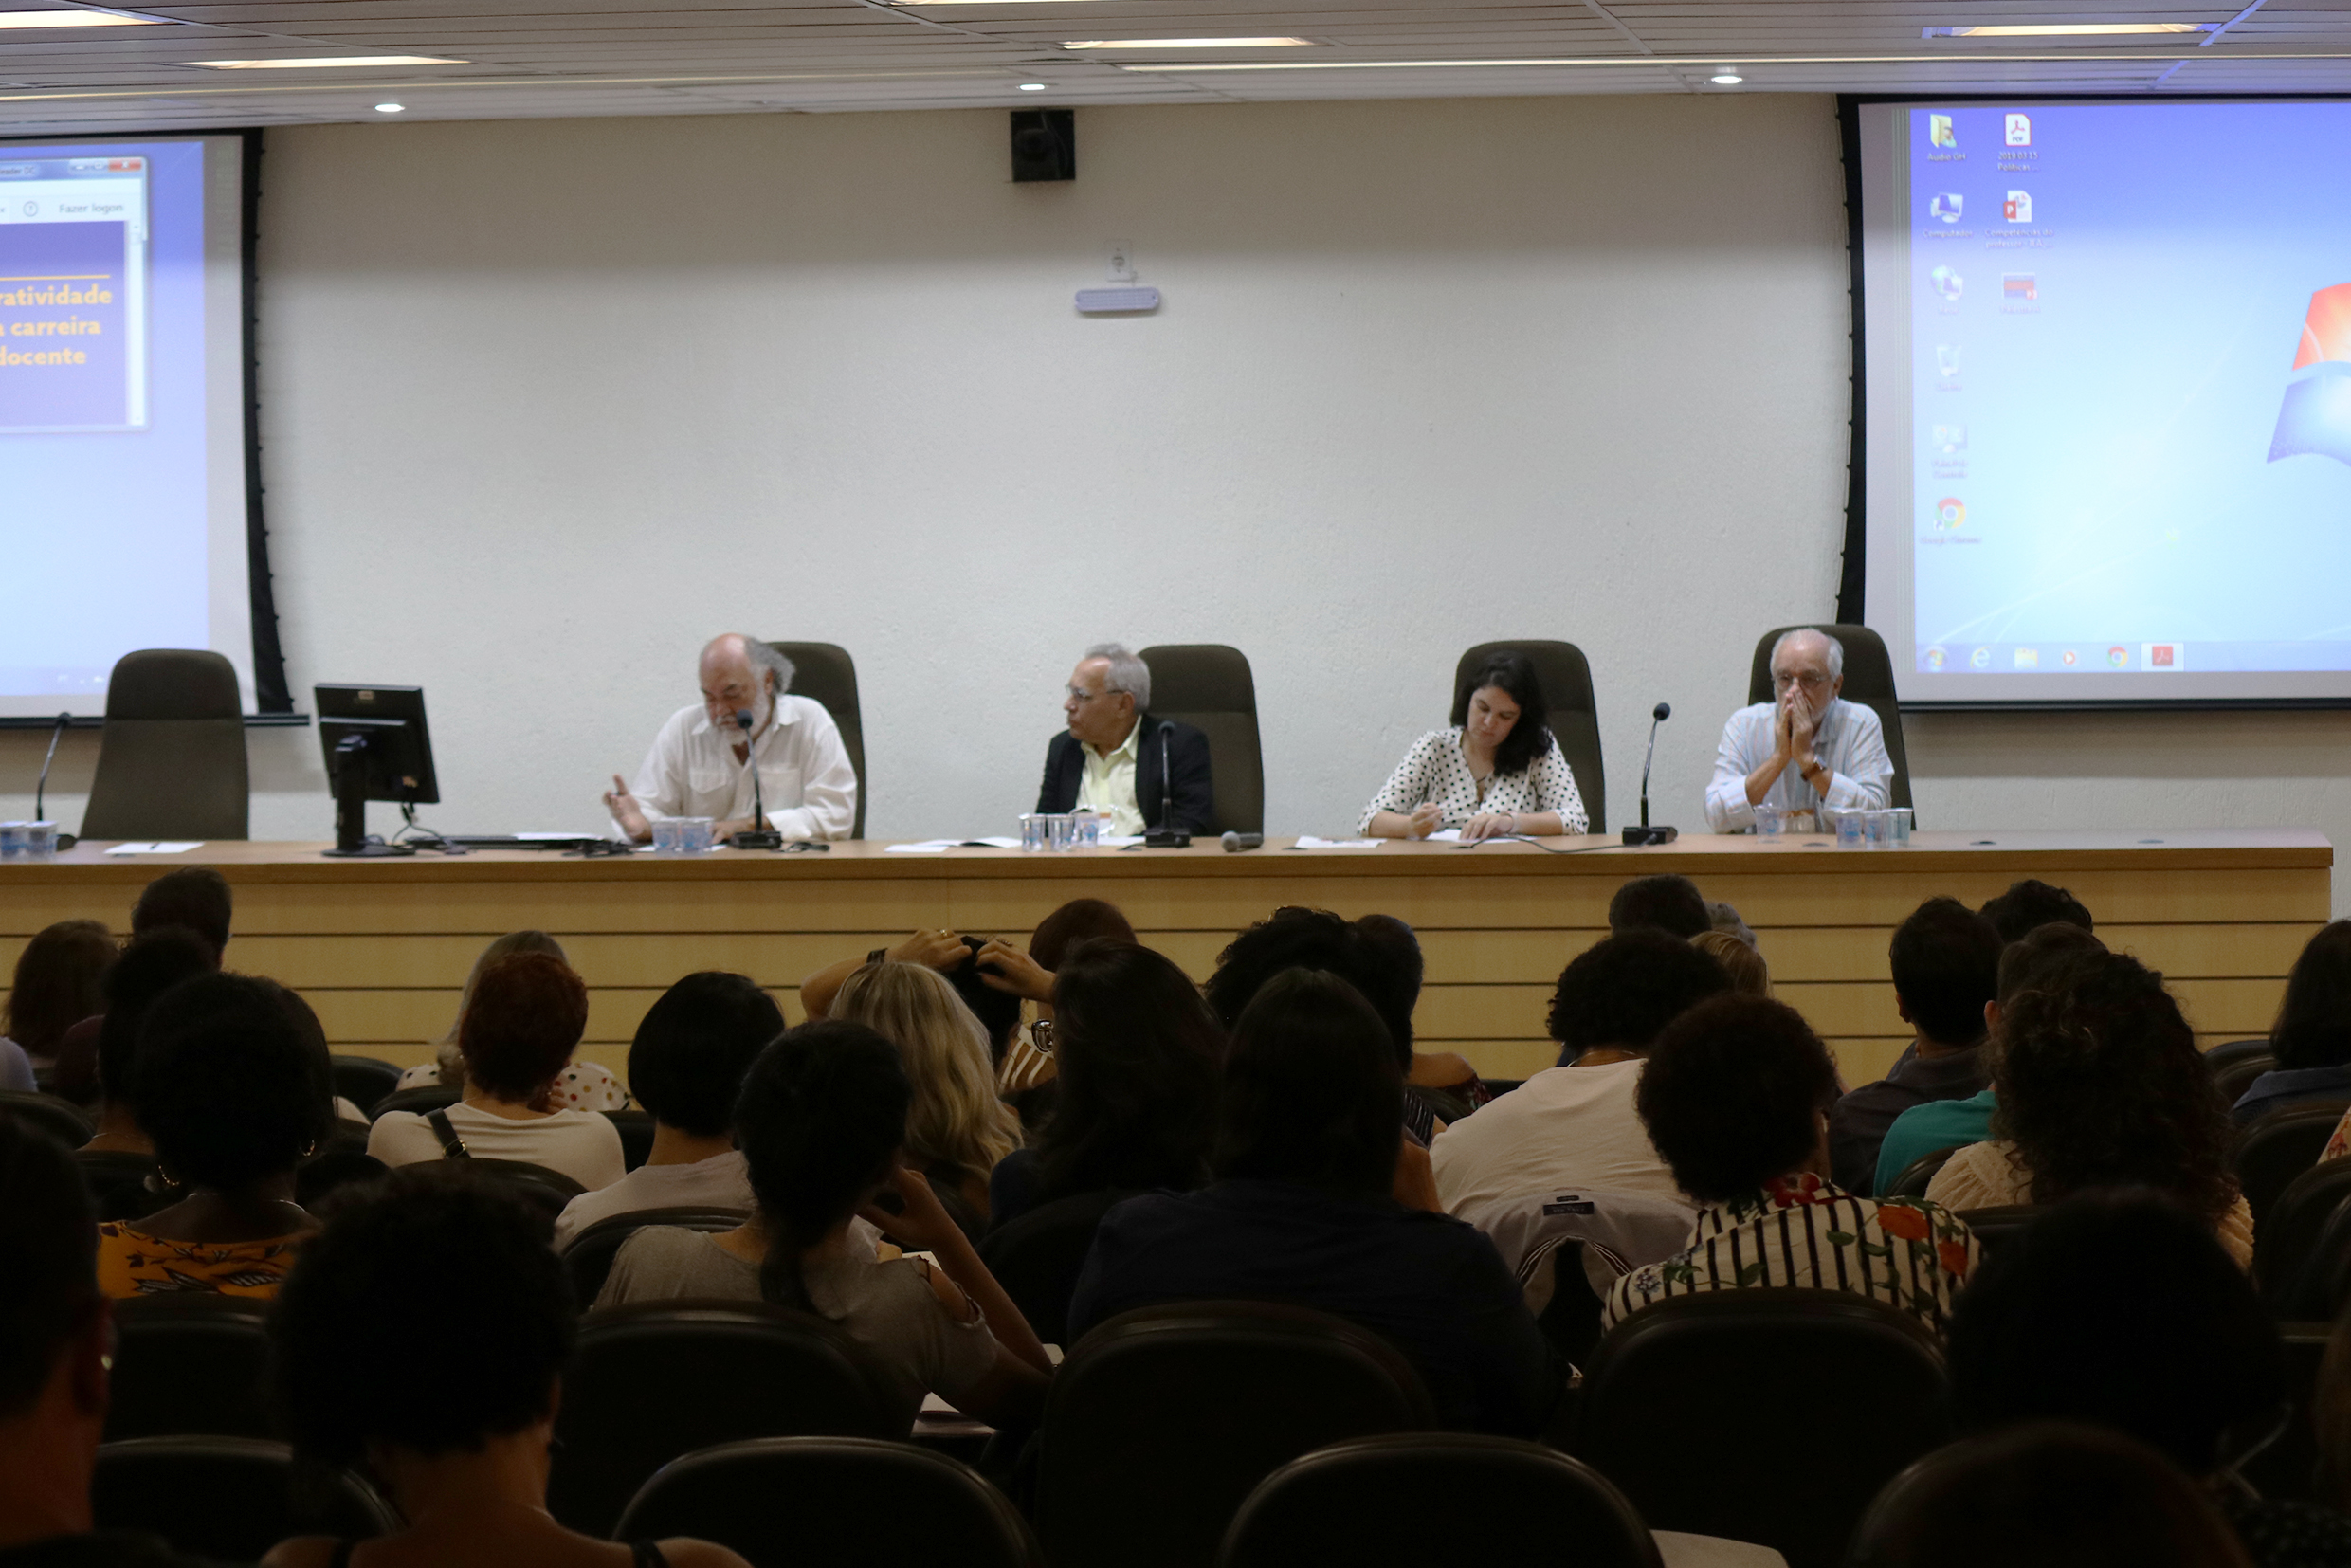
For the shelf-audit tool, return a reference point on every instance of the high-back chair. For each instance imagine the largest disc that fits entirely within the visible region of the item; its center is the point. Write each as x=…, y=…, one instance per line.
x=1036, y=1257
x=171, y=762
x=1868, y=680
x=1565, y=676
x=1208, y=686
x=365, y=1081
x=825, y=673
x=587, y=1256
x=2271, y=1152
x=188, y=1363
x=2286, y=1242
x=228, y=1499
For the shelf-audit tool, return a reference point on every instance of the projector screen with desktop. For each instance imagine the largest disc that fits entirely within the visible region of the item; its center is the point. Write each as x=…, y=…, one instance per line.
x=124, y=434
x=2108, y=382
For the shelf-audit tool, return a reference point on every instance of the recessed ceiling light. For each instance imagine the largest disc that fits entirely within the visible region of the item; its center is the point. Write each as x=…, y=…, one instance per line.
x=392, y=108
x=2065, y=29
x=1726, y=76
x=320, y=62
x=1188, y=43
x=1032, y=86
x=74, y=19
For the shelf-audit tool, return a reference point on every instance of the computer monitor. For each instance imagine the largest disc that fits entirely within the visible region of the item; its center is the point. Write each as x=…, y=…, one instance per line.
x=377, y=748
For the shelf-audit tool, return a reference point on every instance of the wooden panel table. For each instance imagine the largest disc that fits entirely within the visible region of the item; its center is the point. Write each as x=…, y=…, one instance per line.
x=381, y=947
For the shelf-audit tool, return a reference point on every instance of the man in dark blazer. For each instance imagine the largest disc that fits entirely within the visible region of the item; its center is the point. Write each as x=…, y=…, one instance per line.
x=1116, y=758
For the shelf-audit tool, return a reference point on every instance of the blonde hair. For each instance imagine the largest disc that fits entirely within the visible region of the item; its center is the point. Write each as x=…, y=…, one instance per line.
x=955, y=1116
x=1750, y=976
x=452, y=1061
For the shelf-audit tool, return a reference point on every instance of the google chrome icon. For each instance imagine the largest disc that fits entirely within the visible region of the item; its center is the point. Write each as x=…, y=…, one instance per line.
x=1949, y=513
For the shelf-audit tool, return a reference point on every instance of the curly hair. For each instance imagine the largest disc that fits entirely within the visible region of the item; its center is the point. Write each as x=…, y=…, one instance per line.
x=2313, y=1028
x=821, y=1118
x=2032, y=903
x=1315, y=939
x=1140, y=1055
x=1530, y=738
x=2099, y=1084
x=1667, y=902
x=525, y=1019
x=1733, y=1095
x=227, y=1088
x=957, y=1117
x=1623, y=989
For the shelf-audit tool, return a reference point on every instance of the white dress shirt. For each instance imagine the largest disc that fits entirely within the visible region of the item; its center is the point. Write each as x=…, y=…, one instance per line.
x=1108, y=785
x=1849, y=743
x=804, y=772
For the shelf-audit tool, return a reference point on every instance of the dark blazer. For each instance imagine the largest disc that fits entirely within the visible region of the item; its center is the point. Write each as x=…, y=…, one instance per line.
x=1186, y=771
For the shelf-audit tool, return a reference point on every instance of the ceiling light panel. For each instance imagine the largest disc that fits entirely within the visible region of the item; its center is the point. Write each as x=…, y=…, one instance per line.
x=74, y=19
x=326, y=61
x=1189, y=43
x=2067, y=29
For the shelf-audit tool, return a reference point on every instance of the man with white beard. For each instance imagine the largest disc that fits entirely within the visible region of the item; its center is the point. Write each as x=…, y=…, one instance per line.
x=702, y=760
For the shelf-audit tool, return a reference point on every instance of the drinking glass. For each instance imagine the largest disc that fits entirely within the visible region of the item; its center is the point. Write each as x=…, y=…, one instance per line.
x=1036, y=832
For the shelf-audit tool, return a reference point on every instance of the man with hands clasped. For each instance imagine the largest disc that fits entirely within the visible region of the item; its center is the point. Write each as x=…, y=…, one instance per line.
x=1806, y=750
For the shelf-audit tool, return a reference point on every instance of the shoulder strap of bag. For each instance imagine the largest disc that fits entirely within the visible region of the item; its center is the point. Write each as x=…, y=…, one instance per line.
x=452, y=1146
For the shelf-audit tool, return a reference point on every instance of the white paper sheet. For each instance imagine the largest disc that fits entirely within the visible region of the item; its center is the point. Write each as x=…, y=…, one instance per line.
x=928, y=846
x=1308, y=841
x=158, y=847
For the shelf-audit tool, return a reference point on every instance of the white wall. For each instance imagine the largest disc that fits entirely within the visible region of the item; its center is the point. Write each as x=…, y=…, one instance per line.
x=547, y=403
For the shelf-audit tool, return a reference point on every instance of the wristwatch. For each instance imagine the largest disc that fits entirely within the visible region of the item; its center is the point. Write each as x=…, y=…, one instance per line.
x=1041, y=1036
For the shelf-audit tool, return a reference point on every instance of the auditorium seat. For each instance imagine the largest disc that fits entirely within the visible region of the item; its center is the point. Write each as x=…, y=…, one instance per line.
x=325, y=1173
x=172, y=761
x=1995, y=1224
x=2271, y=1152
x=1719, y=1414
x=1036, y=1257
x=1868, y=680
x=636, y=1136
x=2230, y=1052
x=544, y=1190
x=1565, y=676
x=825, y=673
x=228, y=1499
x=60, y=1119
x=188, y=1363
x=1163, y=1420
x=122, y=1185
x=2285, y=1243
x=656, y=1380
x=1912, y=1180
x=421, y=1100
x=791, y=1501
x=1519, y=1504
x=365, y=1081
x=2234, y=1077
x=588, y=1257
x=1208, y=686
x=2287, y=1467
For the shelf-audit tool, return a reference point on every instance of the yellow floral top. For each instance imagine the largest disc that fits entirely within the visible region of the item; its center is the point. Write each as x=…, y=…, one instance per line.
x=132, y=1263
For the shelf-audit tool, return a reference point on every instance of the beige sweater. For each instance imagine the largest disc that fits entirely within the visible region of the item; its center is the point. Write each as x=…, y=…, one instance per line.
x=1993, y=1176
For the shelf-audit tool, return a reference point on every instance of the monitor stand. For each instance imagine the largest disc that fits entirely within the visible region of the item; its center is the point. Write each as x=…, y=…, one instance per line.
x=350, y=840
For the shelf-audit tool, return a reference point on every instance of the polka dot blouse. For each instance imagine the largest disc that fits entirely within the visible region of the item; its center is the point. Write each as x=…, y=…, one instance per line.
x=1435, y=770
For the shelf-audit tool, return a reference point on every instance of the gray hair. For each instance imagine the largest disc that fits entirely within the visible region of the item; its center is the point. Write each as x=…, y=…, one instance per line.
x=762, y=658
x=1127, y=673
x=1836, y=649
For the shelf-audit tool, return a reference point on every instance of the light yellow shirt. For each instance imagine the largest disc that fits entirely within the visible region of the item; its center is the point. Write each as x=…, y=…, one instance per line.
x=1109, y=783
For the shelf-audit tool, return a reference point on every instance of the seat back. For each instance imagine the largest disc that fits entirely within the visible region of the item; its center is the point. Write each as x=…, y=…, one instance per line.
x=421, y=1100
x=1683, y=1395
x=1868, y=680
x=1626, y=1229
x=2233, y=1078
x=121, y=1184
x=2271, y=1152
x=1172, y=1415
x=365, y=1081
x=1913, y=1178
x=636, y=1136
x=825, y=673
x=60, y=1119
x=1565, y=676
x=325, y=1173
x=172, y=763
x=547, y=1192
x=2317, y=1290
x=2298, y=1215
x=188, y=1363
x=2286, y=1470
x=2227, y=1052
x=786, y=1502
x=229, y=1499
x=1208, y=686
x=1036, y=1257
x=1997, y=1224
x=587, y=1256
x=1525, y=1503
x=654, y=1381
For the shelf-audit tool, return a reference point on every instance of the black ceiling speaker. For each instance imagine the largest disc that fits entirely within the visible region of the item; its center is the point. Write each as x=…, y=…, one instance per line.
x=1045, y=144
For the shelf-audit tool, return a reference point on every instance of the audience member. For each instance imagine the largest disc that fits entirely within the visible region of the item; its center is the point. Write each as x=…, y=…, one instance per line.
x=1300, y=1212
x=1667, y=903
x=1721, y=917
x=149, y=966
x=1736, y=1097
x=687, y=1065
x=2032, y=903
x=1946, y=965
x=55, y=987
x=1029, y=1066
x=823, y=1115
x=229, y=1095
x=2312, y=1035
x=582, y=1086
x=517, y=1034
x=1446, y=1081
x=1941, y=1124
x=2051, y=1494
x=957, y=1128
x=56, y=1347
x=194, y=898
x=2100, y=1084
x=1749, y=975
x=1574, y=1125
x=2118, y=1309
x=453, y=1274
x=1141, y=1054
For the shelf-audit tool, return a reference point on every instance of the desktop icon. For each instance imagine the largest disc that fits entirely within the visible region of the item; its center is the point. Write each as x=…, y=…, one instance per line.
x=2315, y=417
x=1939, y=132
x=2164, y=656
x=1947, y=361
x=1947, y=282
x=1935, y=658
x=2019, y=208
x=2020, y=130
x=2027, y=658
x=1951, y=440
x=2119, y=657
x=1950, y=513
x=1947, y=205
x=1980, y=658
x=2019, y=285
x=2068, y=658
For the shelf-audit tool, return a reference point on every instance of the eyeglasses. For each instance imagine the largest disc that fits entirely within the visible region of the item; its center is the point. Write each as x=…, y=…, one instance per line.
x=1077, y=694
x=1811, y=680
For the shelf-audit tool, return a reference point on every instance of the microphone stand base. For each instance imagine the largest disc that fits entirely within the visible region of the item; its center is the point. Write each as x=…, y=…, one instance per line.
x=1167, y=838
x=754, y=839
x=1651, y=835
x=370, y=851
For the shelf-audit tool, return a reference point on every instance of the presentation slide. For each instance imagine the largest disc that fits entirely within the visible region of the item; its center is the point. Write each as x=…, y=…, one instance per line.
x=2108, y=381
x=122, y=426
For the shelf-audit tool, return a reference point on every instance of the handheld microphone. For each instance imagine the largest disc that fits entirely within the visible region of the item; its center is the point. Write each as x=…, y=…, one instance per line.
x=1235, y=843
x=1645, y=833
x=1165, y=836
x=758, y=835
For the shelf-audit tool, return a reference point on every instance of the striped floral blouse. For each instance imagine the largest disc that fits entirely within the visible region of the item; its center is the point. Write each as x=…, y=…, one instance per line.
x=1804, y=1231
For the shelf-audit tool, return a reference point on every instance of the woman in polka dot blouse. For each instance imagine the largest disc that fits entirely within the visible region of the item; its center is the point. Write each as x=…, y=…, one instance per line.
x=1497, y=772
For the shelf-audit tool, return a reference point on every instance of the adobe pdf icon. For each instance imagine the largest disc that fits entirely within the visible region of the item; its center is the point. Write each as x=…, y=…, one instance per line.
x=2020, y=130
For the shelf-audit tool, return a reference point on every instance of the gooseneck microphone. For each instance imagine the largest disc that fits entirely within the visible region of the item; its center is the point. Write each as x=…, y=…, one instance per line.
x=1645, y=833
x=1166, y=835
x=758, y=835
x=65, y=841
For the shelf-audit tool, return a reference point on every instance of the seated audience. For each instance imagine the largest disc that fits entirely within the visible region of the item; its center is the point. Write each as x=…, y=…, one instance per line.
x=1736, y=1096
x=2052, y=1494
x=687, y=1065
x=1574, y=1125
x=1946, y=963
x=1301, y=1212
x=2118, y=1309
x=517, y=1034
x=1447, y=1082
x=1029, y=1065
x=229, y=1095
x=1721, y=917
x=452, y=1273
x=582, y=1086
x=56, y=1348
x=2312, y=1035
x=2032, y=903
x=55, y=987
x=1749, y=975
x=193, y=898
x=1139, y=1057
x=1941, y=1124
x=152, y=965
x=824, y=1113
x=958, y=1130
x=2100, y=1084
x=1667, y=903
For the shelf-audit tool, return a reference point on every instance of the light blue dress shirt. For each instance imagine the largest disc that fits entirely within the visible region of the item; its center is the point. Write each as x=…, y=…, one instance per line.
x=1849, y=743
